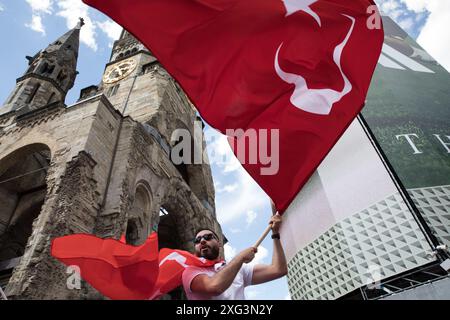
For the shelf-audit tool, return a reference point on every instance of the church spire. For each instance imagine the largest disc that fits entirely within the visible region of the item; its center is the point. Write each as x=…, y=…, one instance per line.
x=50, y=75
x=67, y=44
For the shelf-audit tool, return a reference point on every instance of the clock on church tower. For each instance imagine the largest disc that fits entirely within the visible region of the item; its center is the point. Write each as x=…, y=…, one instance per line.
x=119, y=71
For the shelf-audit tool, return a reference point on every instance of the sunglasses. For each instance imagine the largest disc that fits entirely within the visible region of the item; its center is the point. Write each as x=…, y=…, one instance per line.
x=207, y=237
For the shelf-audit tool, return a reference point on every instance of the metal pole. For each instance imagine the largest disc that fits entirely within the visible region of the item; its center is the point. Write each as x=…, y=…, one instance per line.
x=269, y=227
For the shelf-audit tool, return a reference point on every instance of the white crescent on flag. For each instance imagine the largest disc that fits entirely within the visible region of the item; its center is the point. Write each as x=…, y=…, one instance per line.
x=317, y=101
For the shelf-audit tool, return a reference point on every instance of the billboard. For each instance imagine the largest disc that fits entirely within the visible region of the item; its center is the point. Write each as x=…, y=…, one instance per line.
x=351, y=225
x=408, y=112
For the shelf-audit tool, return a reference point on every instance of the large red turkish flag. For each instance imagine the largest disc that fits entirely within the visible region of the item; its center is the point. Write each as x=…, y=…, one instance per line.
x=300, y=66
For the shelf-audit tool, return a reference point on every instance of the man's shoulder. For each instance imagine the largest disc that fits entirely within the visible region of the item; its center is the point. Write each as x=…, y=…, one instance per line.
x=195, y=268
x=191, y=272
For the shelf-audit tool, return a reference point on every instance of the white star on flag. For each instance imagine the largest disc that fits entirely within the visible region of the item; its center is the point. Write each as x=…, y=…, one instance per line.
x=292, y=6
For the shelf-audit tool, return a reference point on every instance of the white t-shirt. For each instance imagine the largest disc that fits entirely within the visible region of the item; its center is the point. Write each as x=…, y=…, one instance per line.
x=234, y=292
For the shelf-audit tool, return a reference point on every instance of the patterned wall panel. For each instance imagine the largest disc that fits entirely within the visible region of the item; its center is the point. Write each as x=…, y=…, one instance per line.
x=434, y=204
x=373, y=244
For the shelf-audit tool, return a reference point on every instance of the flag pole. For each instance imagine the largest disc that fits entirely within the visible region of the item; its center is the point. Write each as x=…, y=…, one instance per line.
x=263, y=236
x=269, y=227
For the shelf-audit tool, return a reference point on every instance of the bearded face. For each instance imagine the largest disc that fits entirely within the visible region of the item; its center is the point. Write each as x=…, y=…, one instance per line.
x=206, y=245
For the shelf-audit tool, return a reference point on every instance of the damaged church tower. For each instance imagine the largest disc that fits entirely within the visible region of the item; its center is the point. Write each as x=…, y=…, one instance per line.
x=101, y=166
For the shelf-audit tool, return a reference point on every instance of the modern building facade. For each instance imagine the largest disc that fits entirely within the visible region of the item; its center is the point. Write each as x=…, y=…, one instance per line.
x=373, y=222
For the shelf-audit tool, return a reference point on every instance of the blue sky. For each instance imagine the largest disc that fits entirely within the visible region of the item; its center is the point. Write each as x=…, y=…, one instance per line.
x=26, y=26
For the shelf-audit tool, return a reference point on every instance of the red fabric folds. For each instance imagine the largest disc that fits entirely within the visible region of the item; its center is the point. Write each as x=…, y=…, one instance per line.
x=125, y=272
x=265, y=65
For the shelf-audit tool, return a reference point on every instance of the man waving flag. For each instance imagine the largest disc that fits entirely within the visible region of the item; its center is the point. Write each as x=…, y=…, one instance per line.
x=293, y=72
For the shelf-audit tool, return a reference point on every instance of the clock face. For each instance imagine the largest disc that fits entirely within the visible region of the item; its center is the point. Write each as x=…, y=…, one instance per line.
x=119, y=71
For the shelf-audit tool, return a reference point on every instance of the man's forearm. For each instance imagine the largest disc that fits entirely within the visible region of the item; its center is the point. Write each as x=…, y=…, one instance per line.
x=278, y=258
x=222, y=280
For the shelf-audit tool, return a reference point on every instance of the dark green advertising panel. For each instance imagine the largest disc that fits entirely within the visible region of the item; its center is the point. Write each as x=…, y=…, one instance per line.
x=408, y=111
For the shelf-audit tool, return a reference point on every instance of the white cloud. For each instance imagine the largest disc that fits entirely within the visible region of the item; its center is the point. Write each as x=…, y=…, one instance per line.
x=232, y=166
x=235, y=230
x=217, y=184
x=407, y=24
x=250, y=197
x=433, y=36
x=417, y=5
x=110, y=28
x=251, y=216
x=420, y=16
x=2, y=8
x=229, y=252
x=228, y=188
x=36, y=24
x=391, y=8
x=260, y=256
x=38, y=8
x=41, y=6
x=220, y=153
x=72, y=10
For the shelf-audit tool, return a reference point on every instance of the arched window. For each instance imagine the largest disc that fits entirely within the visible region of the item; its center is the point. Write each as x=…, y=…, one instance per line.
x=33, y=92
x=132, y=234
x=50, y=69
x=137, y=231
x=44, y=67
x=169, y=228
x=22, y=193
x=141, y=203
x=51, y=98
x=61, y=76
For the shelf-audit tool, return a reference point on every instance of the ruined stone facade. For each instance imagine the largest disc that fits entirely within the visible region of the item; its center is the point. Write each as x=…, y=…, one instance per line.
x=101, y=166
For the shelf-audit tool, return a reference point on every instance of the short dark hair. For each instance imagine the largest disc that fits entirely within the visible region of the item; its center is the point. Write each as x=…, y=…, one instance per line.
x=209, y=229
